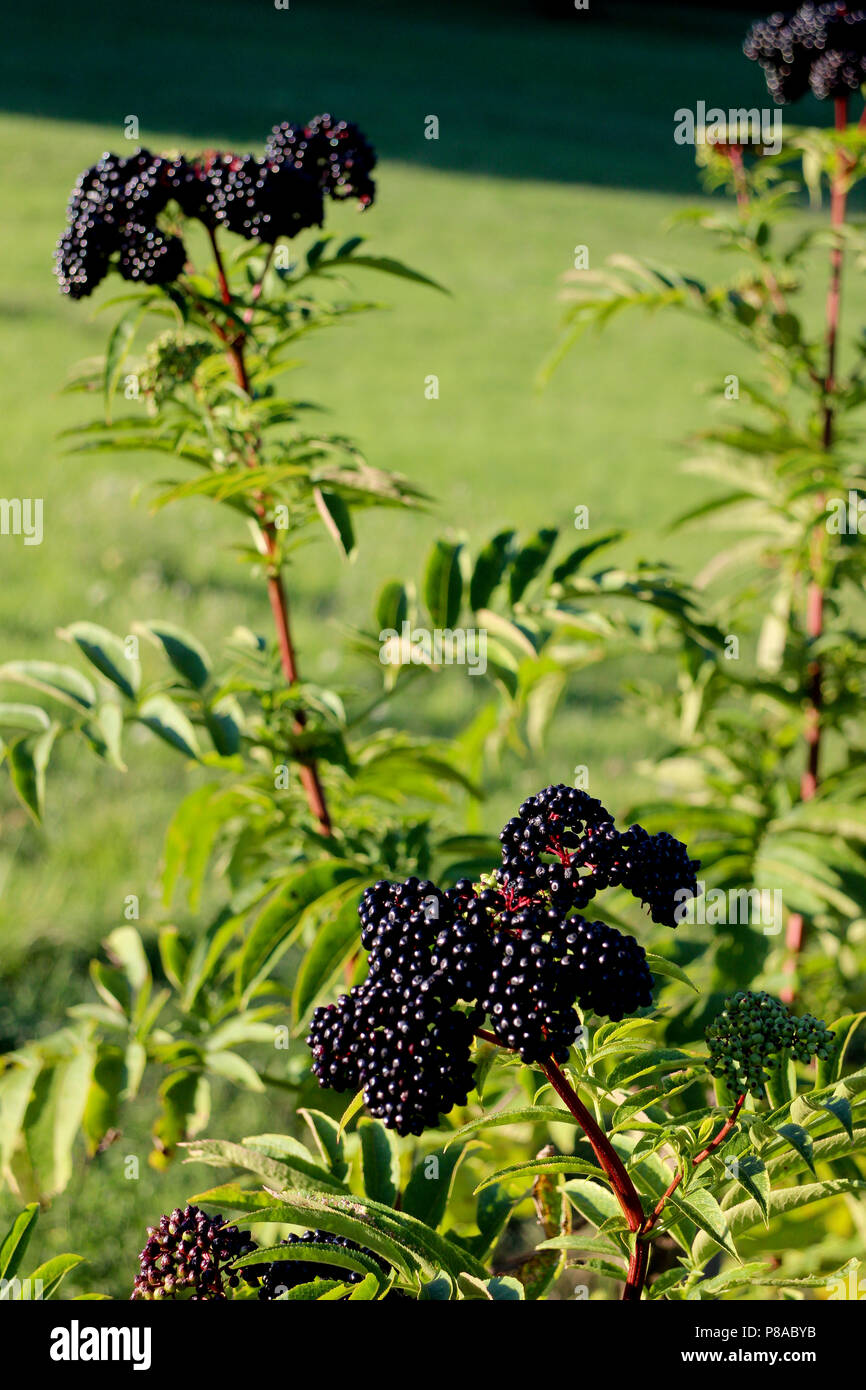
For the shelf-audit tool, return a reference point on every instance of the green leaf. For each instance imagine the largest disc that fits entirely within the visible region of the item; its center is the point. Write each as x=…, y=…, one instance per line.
x=731, y=1279
x=64, y=683
x=750, y=1172
x=338, y=520
x=102, y=1106
x=107, y=652
x=437, y=1290
x=428, y=1250
x=744, y=1215
x=701, y=1207
x=489, y=569
x=337, y=939
x=656, y=1060
x=595, y=1203
x=329, y=1142
x=541, y=1165
x=31, y=718
x=388, y=266
x=186, y=654
x=236, y=1069
x=27, y=758
x=119, y=344
x=429, y=1188
x=527, y=1114
x=52, y=1273
x=326, y=1254
x=801, y=1140
x=274, y=928
x=185, y=1107
x=392, y=606
x=16, y=1240
x=573, y=561
x=841, y=1108
x=351, y=1110
x=231, y=1194
x=167, y=720
x=443, y=584
x=289, y=1169
x=380, y=1161
x=660, y=965
x=529, y=561
x=54, y=1115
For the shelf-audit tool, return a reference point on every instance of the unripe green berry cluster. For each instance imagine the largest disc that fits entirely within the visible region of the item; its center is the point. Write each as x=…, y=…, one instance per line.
x=752, y=1030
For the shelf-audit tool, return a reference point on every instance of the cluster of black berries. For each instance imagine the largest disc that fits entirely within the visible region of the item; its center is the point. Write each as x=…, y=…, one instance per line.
x=751, y=1030
x=397, y=1035
x=335, y=153
x=565, y=842
x=187, y=1253
x=281, y=1275
x=822, y=47
x=114, y=206
x=510, y=948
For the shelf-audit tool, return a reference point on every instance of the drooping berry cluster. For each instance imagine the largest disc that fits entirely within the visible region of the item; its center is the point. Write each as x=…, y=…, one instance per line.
x=280, y=1275
x=397, y=1035
x=510, y=948
x=818, y=46
x=187, y=1254
x=565, y=842
x=112, y=217
x=752, y=1030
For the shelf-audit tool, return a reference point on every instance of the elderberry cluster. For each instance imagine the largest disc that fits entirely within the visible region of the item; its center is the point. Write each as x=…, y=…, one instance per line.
x=752, y=1030
x=822, y=47
x=187, y=1253
x=510, y=950
x=113, y=211
x=565, y=843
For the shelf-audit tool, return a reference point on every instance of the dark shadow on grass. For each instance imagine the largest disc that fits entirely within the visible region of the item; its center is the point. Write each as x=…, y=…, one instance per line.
x=522, y=88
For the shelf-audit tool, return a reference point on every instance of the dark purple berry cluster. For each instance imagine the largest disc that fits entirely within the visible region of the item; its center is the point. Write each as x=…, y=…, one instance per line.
x=565, y=843
x=335, y=153
x=397, y=1035
x=822, y=47
x=112, y=217
x=511, y=951
x=188, y=1254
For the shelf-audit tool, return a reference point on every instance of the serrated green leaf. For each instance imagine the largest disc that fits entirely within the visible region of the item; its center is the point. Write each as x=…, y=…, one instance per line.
x=380, y=1161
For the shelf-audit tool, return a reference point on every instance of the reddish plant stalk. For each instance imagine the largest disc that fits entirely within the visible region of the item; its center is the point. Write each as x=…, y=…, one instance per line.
x=698, y=1158
x=309, y=774
x=815, y=590
x=623, y=1188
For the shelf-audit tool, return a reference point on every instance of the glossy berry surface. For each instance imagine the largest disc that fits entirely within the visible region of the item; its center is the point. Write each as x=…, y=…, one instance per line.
x=187, y=1254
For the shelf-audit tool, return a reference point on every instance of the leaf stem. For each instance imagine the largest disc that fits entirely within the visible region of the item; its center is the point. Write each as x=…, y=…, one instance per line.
x=698, y=1158
x=309, y=773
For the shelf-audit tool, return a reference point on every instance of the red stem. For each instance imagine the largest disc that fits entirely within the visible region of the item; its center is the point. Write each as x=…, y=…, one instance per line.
x=815, y=591
x=309, y=773
x=623, y=1188
x=698, y=1158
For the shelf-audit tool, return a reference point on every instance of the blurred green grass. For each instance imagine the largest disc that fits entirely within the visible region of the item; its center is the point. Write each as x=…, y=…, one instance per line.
x=551, y=135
